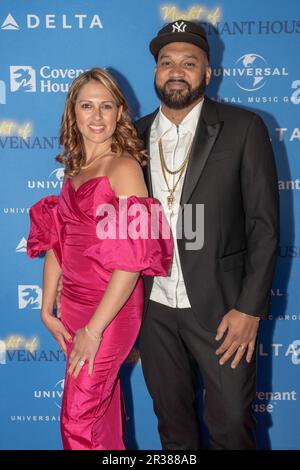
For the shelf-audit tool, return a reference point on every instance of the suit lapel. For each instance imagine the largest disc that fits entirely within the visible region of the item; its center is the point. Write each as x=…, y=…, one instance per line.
x=147, y=171
x=145, y=136
x=206, y=134
x=207, y=131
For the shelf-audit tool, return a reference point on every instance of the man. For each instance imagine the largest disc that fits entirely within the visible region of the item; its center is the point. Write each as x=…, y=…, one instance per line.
x=207, y=312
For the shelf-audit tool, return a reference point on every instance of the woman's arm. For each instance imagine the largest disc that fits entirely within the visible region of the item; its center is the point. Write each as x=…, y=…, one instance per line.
x=118, y=291
x=127, y=180
x=51, y=276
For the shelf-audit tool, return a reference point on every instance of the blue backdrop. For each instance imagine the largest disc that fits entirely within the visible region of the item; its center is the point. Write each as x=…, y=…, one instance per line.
x=44, y=46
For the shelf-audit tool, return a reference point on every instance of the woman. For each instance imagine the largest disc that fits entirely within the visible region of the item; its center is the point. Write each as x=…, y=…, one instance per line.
x=93, y=245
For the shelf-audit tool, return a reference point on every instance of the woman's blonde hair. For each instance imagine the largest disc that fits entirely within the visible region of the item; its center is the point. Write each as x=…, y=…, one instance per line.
x=125, y=137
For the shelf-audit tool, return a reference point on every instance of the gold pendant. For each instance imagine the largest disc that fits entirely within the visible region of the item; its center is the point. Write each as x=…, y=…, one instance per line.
x=170, y=200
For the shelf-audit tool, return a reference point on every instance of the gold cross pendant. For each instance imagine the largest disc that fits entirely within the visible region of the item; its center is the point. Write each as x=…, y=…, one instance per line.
x=170, y=200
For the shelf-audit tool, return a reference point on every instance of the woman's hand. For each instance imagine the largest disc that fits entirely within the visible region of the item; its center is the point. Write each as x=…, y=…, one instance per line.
x=57, y=330
x=84, y=349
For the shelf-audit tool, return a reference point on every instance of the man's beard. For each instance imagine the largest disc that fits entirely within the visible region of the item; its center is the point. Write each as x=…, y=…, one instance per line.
x=180, y=99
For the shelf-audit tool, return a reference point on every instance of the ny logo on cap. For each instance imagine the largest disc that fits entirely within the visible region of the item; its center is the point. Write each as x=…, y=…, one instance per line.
x=179, y=27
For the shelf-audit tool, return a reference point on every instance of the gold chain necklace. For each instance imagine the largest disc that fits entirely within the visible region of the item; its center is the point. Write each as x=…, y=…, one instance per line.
x=164, y=162
x=105, y=152
x=171, y=197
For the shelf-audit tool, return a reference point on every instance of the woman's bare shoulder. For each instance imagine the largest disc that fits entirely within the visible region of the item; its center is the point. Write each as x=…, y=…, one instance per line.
x=124, y=165
x=126, y=176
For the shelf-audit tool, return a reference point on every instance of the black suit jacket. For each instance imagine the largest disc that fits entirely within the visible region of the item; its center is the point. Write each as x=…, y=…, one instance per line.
x=232, y=172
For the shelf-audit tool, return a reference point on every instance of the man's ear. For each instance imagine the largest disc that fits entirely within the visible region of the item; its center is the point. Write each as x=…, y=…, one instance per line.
x=208, y=73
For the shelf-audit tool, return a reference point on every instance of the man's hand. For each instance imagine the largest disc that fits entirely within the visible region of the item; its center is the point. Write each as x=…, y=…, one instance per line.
x=58, y=296
x=241, y=335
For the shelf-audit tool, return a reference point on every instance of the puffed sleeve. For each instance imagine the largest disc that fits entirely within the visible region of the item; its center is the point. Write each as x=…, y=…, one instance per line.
x=45, y=228
x=133, y=235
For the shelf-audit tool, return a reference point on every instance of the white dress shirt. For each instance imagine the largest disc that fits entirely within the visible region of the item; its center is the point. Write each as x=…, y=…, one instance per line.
x=176, y=141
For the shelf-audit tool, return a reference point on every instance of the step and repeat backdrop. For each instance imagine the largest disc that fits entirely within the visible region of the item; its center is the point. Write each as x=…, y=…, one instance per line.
x=44, y=46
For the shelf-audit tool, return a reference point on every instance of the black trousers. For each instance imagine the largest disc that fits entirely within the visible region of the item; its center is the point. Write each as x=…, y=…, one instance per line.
x=172, y=341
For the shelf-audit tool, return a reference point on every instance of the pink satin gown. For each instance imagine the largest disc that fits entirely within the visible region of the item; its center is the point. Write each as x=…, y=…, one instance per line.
x=92, y=415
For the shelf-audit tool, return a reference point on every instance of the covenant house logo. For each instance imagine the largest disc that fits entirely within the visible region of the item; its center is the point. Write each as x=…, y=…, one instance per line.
x=30, y=297
x=24, y=78
x=267, y=401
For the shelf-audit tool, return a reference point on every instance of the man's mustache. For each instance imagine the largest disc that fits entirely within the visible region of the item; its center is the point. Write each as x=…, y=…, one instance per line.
x=173, y=80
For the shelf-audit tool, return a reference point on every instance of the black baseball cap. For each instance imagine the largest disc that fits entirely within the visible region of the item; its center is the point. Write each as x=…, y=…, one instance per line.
x=180, y=31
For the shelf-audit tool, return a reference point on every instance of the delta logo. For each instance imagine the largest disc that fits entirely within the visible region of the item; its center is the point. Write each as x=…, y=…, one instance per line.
x=51, y=21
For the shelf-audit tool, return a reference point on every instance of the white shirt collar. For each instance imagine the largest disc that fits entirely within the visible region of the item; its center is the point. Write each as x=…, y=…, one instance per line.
x=162, y=124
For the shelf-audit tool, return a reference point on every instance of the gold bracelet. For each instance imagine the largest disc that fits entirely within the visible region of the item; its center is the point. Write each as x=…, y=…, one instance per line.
x=92, y=335
x=251, y=316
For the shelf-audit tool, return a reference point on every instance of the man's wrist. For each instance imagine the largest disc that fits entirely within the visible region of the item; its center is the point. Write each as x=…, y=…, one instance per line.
x=254, y=318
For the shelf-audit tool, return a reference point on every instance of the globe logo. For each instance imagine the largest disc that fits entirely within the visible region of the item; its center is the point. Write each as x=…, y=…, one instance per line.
x=58, y=173
x=58, y=392
x=251, y=72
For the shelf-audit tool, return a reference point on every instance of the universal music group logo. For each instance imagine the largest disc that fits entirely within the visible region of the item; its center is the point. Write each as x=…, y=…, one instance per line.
x=251, y=73
x=54, y=181
x=55, y=393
